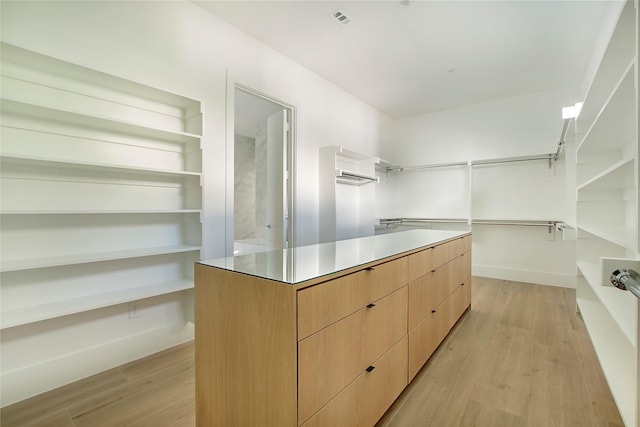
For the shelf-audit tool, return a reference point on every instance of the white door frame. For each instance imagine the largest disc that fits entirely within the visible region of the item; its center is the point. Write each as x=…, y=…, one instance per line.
x=289, y=173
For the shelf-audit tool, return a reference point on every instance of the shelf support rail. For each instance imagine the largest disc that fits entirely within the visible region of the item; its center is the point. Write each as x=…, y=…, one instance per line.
x=561, y=141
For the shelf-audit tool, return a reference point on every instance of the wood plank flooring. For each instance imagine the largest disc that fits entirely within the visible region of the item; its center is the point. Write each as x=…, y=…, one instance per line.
x=520, y=357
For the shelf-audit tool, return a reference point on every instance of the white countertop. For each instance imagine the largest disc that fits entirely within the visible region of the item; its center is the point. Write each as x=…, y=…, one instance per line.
x=302, y=263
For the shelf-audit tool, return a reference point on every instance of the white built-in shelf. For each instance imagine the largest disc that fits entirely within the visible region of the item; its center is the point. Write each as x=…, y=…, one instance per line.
x=620, y=51
x=618, y=303
x=616, y=234
x=615, y=121
x=74, y=118
x=83, y=258
x=607, y=208
x=101, y=212
x=36, y=161
x=56, y=73
x=39, y=312
x=79, y=143
x=619, y=176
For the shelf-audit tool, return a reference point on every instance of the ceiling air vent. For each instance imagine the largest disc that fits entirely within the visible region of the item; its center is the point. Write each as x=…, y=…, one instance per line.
x=340, y=17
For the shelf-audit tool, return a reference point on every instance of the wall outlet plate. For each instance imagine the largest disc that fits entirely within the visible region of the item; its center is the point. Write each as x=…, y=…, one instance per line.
x=134, y=310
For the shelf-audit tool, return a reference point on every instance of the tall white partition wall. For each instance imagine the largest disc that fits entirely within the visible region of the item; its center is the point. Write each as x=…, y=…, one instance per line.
x=607, y=210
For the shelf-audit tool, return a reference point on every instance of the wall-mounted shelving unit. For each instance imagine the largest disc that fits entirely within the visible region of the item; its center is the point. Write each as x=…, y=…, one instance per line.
x=474, y=188
x=607, y=209
x=101, y=189
x=346, y=192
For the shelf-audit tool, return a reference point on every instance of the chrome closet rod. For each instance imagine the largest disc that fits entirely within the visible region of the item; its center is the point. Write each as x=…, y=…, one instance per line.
x=433, y=166
x=512, y=159
x=529, y=223
x=425, y=220
x=547, y=157
x=355, y=176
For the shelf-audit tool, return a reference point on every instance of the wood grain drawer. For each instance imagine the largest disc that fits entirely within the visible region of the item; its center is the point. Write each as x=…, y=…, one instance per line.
x=458, y=302
x=440, y=254
x=426, y=293
x=419, y=264
x=466, y=265
x=330, y=359
x=365, y=400
x=456, y=273
x=426, y=336
x=323, y=304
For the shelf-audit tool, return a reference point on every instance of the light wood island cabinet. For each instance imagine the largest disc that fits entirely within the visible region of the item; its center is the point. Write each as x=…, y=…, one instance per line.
x=327, y=334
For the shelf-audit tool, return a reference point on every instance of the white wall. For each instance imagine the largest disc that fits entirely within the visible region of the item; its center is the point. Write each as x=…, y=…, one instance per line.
x=178, y=47
x=520, y=126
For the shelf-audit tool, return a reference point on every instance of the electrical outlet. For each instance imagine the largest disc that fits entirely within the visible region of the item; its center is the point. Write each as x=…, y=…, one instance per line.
x=133, y=310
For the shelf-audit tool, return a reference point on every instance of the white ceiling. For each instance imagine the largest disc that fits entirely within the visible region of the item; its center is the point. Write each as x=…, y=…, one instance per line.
x=430, y=55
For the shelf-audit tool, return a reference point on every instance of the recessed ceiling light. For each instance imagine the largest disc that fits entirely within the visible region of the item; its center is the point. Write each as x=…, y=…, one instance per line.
x=405, y=3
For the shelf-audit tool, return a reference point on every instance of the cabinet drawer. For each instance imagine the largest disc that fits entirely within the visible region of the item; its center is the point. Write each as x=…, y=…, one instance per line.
x=426, y=293
x=426, y=336
x=440, y=254
x=466, y=265
x=458, y=302
x=335, y=356
x=466, y=244
x=456, y=273
x=459, y=246
x=419, y=264
x=365, y=400
x=325, y=303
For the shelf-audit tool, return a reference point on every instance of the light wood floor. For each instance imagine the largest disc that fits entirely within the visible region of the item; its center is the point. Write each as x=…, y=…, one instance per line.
x=520, y=357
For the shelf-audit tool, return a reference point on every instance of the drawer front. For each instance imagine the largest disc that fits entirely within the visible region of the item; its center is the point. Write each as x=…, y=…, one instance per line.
x=335, y=356
x=466, y=266
x=441, y=284
x=441, y=254
x=419, y=264
x=459, y=301
x=466, y=244
x=426, y=336
x=365, y=400
x=459, y=246
x=456, y=273
x=421, y=298
x=321, y=305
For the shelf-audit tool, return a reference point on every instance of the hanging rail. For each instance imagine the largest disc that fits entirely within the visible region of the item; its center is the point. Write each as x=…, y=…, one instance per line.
x=547, y=157
x=353, y=178
x=550, y=157
x=400, y=221
x=550, y=224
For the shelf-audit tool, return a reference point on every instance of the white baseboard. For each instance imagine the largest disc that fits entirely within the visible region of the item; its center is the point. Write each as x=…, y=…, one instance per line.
x=31, y=380
x=527, y=276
